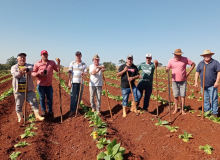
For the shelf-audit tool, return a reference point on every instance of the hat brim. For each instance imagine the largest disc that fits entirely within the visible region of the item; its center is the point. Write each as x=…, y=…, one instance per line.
x=207, y=54
x=178, y=53
x=22, y=54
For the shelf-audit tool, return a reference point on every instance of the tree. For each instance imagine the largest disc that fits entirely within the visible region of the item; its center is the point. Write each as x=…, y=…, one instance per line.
x=160, y=64
x=11, y=61
x=109, y=66
x=121, y=61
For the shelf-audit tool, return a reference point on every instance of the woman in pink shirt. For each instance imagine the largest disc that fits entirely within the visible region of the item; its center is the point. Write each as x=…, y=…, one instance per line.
x=179, y=76
x=43, y=70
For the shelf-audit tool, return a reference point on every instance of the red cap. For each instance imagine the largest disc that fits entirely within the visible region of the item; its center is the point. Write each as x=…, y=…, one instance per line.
x=44, y=51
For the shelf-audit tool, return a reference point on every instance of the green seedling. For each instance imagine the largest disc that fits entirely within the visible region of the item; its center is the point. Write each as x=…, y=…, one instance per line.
x=191, y=90
x=100, y=131
x=207, y=149
x=191, y=96
x=206, y=114
x=30, y=127
x=185, y=136
x=97, y=121
x=192, y=111
x=214, y=119
x=102, y=141
x=89, y=114
x=27, y=133
x=22, y=144
x=186, y=108
x=114, y=151
x=14, y=155
x=172, y=129
x=31, y=118
x=200, y=99
x=161, y=123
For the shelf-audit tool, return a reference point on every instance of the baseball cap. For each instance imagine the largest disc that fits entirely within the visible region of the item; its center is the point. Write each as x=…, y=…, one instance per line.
x=78, y=52
x=19, y=54
x=149, y=55
x=129, y=56
x=44, y=51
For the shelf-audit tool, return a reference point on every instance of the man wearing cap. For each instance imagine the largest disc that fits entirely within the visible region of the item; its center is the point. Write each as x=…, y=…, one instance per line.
x=96, y=82
x=146, y=82
x=43, y=70
x=125, y=88
x=19, y=72
x=212, y=77
x=77, y=70
x=179, y=77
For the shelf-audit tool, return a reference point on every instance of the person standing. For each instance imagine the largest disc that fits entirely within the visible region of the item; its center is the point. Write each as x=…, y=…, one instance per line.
x=125, y=87
x=96, y=83
x=212, y=78
x=19, y=72
x=77, y=70
x=146, y=82
x=43, y=70
x=179, y=77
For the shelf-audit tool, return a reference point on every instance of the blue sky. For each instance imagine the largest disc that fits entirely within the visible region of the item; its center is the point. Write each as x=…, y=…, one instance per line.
x=110, y=28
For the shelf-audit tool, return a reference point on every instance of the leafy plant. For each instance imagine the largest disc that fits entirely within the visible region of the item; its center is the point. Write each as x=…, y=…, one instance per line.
x=214, y=119
x=200, y=99
x=186, y=108
x=30, y=127
x=172, y=129
x=185, y=136
x=192, y=111
x=102, y=141
x=191, y=96
x=207, y=149
x=206, y=114
x=161, y=123
x=6, y=94
x=14, y=155
x=97, y=121
x=31, y=118
x=101, y=132
x=114, y=151
x=89, y=113
x=22, y=144
x=27, y=133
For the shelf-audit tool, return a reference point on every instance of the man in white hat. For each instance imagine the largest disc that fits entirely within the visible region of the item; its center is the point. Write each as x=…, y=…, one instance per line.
x=212, y=78
x=125, y=88
x=146, y=82
x=96, y=83
x=179, y=77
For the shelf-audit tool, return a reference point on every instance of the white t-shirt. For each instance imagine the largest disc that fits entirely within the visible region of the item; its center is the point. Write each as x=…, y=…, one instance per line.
x=95, y=80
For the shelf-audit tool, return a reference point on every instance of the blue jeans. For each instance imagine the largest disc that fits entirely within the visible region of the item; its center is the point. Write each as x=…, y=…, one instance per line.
x=148, y=91
x=74, y=95
x=48, y=90
x=125, y=93
x=211, y=93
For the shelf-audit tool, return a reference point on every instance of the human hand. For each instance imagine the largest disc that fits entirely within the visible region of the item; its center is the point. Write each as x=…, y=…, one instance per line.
x=125, y=69
x=69, y=85
x=215, y=85
x=196, y=84
x=130, y=79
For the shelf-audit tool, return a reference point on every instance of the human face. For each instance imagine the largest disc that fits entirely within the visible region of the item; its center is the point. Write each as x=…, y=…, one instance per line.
x=177, y=56
x=21, y=60
x=148, y=60
x=44, y=56
x=96, y=62
x=207, y=58
x=129, y=61
x=78, y=57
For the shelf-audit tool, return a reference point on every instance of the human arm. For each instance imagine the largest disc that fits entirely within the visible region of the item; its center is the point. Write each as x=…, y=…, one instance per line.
x=191, y=68
x=196, y=79
x=217, y=80
x=57, y=66
x=155, y=63
x=96, y=69
x=121, y=71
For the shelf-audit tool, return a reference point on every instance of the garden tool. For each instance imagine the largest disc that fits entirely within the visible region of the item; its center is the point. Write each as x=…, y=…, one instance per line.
x=25, y=98
x=134, y=104
x=203, y=87
x=107, y=95
x=169, y=96
x=79, y=97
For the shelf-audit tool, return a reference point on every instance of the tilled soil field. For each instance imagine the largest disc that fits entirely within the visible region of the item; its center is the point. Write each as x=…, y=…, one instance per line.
x=137, y=134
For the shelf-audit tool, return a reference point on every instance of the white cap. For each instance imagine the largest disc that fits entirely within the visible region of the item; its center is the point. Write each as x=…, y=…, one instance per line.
x=148, y=55
x=129, y=56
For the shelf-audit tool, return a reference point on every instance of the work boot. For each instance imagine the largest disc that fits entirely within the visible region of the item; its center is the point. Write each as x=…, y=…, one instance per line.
x=44, y=113
x=37, y=116
x=71, y=114
x=51, y=116
x=20, y=116
x=124, y=111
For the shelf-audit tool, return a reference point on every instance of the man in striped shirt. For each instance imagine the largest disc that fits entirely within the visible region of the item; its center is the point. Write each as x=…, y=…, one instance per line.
x=77, y=69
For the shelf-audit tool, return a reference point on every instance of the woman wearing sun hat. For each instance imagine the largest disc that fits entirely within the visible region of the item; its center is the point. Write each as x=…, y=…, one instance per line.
x=212, y=77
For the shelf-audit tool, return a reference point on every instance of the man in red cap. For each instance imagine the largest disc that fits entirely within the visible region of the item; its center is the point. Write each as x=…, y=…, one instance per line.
x=43, y=70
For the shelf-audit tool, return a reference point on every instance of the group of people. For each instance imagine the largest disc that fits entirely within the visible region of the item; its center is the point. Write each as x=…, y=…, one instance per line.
x=43, y=71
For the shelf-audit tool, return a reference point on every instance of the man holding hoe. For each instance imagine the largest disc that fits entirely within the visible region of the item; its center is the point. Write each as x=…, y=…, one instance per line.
x=96, y=83
x=128, y=73
x=43, y=70
x=212, y=78
x=179, y=77
x=19, y=72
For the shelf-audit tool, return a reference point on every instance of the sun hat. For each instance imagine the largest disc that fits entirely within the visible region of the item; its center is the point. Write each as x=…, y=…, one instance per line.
x=178, y=52
x=207, y=52
x=95, y=57
x=149, y=55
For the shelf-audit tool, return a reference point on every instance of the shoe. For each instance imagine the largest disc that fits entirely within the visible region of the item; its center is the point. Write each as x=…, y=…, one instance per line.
x=51, y=116
x=37, y=116
x=44, y=113
x=20, y=119
x=71, y=114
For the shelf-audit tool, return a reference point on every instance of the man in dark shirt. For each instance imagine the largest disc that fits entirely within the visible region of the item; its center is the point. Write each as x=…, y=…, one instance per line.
x=125, y=88
x=212, y=77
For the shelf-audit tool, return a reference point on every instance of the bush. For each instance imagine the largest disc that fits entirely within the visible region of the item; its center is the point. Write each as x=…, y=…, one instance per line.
x=109, y=66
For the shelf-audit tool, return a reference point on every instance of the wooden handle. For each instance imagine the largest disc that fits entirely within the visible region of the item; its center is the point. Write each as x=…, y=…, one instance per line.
x=25, y=98
x=79, y=96
x=156, y=92
x=130, y=87
x=107, y=95
x=203, y=87
x=169, y=96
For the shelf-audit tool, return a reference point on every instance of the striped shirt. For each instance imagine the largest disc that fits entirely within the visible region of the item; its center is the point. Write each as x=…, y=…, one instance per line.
x=76, y=70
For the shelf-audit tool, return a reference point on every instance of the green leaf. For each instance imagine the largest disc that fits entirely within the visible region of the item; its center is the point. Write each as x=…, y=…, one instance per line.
x=100, y=146
x=115, y=149
x=101, y=156
x=14, y=155
x=107, y=157
x=110, y=146
x=118, y=156
x=165, y=122
x=122, y=150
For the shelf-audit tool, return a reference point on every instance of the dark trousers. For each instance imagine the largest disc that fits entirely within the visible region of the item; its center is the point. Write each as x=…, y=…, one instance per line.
x=75, y=95
x=148, y=91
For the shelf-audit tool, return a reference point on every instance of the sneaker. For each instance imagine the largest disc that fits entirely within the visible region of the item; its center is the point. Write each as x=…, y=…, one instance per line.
x=44, y=113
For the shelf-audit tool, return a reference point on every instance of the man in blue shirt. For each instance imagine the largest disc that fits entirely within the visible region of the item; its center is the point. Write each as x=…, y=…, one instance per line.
x=212, y=77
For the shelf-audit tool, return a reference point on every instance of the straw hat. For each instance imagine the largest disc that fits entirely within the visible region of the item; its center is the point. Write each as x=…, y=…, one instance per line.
x=207, y=52
x=178, y=52
x=95, y=57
